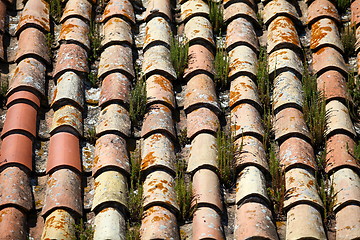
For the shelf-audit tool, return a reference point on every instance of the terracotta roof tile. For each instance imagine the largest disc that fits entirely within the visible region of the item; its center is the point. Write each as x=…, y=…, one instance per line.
x=200, y=62
x=102, y=228
x=159, y=89
x=347, y=222
x=158, y=120
x=116, y=31
x=67, y=118
x=327, y=59
x=158, y=8
x=207, y=224
x=201, y=120
x=77, y=9
x=59, y=225
x=114, y=119
x=325, y=33
x=284, y=60
x=243, y=62
x=243, y=89
x=12, y=221
x=74, y=30
x=2, y=16
x=193, y=8
x=278, y=8
x=333, y=86
x=322, y=9
x=246, y=120
x=122, y=9
x=338, y=119
x=240, y=9
x=198, y=30
x=157, y=32
x=115, y=88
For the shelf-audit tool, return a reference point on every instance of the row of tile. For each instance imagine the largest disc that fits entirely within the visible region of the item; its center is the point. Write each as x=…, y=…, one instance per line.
x=296, y=154
x=19, y=130
x=3, y=6
x=253, y=216
x=158, y=165
x=331, y=72
x=63, y=198
x=202, y=110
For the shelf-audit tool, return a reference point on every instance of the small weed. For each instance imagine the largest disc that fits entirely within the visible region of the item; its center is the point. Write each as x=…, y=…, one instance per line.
x=277, y=190
x=91, y=135
x=343, y=5
x=92, y=78
x=216, y=15
x=133, y=232
x=314, y=108
x=55, y=10
x=348, y=39
x=182, y=137
x=95, y=41
x=49, y=43
x=327, y=194
x=135, y=194
x=353, y=87
x=356, y=153
x=183, y=191
x=179, y=49
x=83, y=231
x=226, y=149
x=3, y=90
x=221, y=65
x=260, y=18
x=138, y=101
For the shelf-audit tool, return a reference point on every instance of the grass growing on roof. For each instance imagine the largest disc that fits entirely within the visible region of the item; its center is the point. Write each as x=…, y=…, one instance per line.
x=55, y=10
x=353, y=88
x=342, y=5
x=348, y=39
x=133, y=232
x=226, y=151
x=179, y=49
x=216, y=15
x=138, y=101
x=135, y=201
x=83, y=231
x=95, y=40
x=221, y=65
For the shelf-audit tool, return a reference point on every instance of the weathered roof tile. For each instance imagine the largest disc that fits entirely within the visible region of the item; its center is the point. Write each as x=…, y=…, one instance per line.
x=114, y=119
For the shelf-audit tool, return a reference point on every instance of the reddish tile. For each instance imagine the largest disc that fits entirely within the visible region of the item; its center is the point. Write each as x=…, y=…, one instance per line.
x=23, y=96
x=200, y=62
x=243, y=89
x=157, y=8
x=15, y=189
x=278, y=8
x=110, y=152
x=246, y=120
x=116, y=58
x=157, y=31
x=74, y=30
x=254, y=221
x=324, y=33
x=199, y=30
x=240, y=10
x=333, y=85
x=348, y=223
x=340, y=152
x=122, y=9
x=115, y=88
x=241, y=32
x=67, y=118
x=355, y=12
x=35, y=14
x=159, y=223
x=71, y=57
x=322, y=9
x=158, y=119
x=77, y=9
x=13, y=223
x=201, y=120
x=158, y=152
x=63, y=190
x=16, y=149
x=228, y=3
x=327, y=59
x=207, y=224
x=116, y=31
x=114, y=119
x=160, y=90
x=193, y=8
x=64, y=151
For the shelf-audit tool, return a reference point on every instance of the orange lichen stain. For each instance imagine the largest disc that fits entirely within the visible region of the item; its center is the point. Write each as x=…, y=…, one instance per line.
x=149, y=159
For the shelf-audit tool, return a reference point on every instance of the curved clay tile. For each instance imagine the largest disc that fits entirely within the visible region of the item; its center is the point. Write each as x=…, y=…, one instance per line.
x=324, y=33
x=254, y=220
x=194, y=8
x=77, y=9
x=340, y=153
x=114, y=118
x=67, y=118
x=278, y=8
x=35, y=14
x=304, y=222
x=158, y=153
x=333, y=86
x=159, y=223
x=338, y=119
x=202, y=120
x=198, y=30
x=20, y=117
x=104, y=230
x=115, y=88
x=75, y=30
x=15, y=189
x=159, y=190
x=284, y=60
x=16, y=149
x=110, y=188
x=355, y=12
x=23, y=96
x=243, y=62
x=301, y=188
x=2, y=16
x=160, y=90
x=296, y=152
x=59, y=225
x=56, y=197
x=290, y=122
x=122, y=9
x=69, y=90
x=158, y=119
x=110, y=153
x=116, y=58
x=327, y=59
x=203, y=153
x=158, y=8
x=322, y=9
x=346, y=184
x=116, y=31
x=288, y=91
x=347, y=223
x=207, y=224
x=71, y=57
x=250, y=152
x=251, y=3
x=241, y=32
x=30, y=75
x=243, y=89
x=201, y=61
x=240, y=10
x=157, y=61
x=157, y=31
x=64, y=150
x=283, y=34
x=251, y=183
x=12, y=220
x=200, y=91
x=36, y=49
